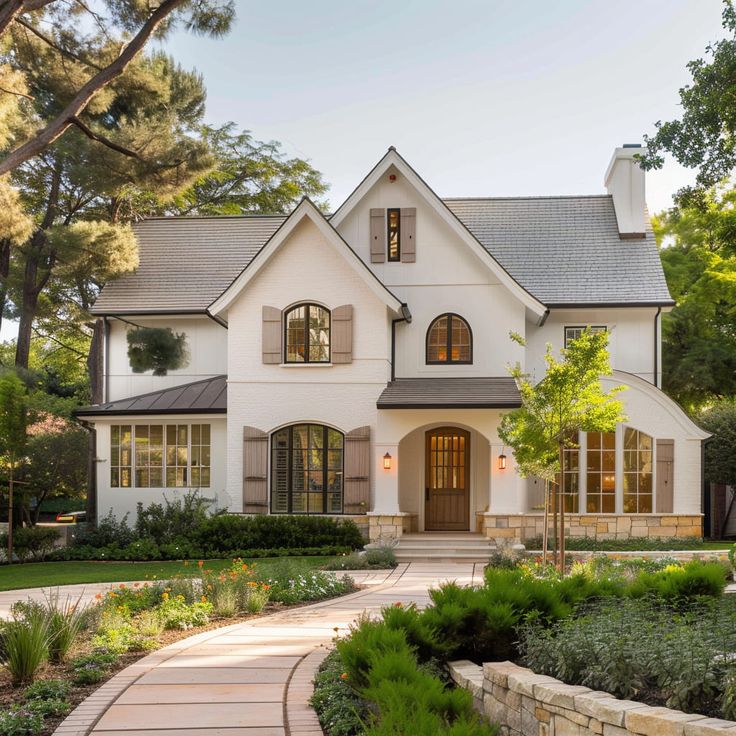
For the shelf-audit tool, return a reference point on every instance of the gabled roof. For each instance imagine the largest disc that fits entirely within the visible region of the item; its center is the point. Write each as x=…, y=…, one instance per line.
x=201, y=397
x=186, y=263
x=392, y=158
x=494, y=392
x=305, y=209
x=567, y=250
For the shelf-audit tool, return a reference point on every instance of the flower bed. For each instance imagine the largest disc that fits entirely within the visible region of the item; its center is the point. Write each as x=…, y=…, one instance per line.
x=123, y=625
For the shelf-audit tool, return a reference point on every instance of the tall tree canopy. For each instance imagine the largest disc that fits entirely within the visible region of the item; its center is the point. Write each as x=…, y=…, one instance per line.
x=699, y=334
x=704, y=137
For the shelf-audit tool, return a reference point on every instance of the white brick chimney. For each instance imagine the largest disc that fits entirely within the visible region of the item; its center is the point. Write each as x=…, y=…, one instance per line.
x=625, y=183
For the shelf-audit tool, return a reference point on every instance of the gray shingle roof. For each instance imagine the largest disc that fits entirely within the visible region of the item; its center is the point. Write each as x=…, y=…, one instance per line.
x=186, y=262
x=566, y=250
x=563, y=250
x=201, y=397
x=450, y=393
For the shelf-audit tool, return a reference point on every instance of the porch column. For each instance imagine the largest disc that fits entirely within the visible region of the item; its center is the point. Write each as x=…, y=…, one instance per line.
x=386, y=499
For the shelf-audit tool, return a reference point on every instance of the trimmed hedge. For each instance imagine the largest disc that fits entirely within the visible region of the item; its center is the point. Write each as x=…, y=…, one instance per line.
x=32, y=542
x=633, y=544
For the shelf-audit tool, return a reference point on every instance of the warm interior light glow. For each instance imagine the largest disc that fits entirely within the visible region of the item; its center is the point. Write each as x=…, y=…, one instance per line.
x=387, y=461
x=502, y=462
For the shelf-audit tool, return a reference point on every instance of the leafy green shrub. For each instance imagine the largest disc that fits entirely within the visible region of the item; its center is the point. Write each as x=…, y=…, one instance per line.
x=379, y=558
x=176, y=613
x=47, y=690
x=133, y=598
x=681, y=582
x=419, y=633
x=646, y=649
x=31, y=542
x=632, y=544
x=174, y=521
x=20, y=722
x=225, y=533
x=92, y=668
x=25, y=645
x=291, y=583
x=50, y=707
x=109, y=532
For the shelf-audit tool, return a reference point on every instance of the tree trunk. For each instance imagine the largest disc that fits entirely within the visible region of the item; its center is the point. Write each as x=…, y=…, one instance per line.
x=29, y=305
x=4, y=273
x=95, y=365
x=545, y=534
x=10, y=514
x=562, y=508
x=554, y=525
x=11, y=9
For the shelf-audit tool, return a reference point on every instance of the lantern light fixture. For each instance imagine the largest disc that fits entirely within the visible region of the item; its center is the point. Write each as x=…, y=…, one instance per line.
x=387, y=461
x=502, y=461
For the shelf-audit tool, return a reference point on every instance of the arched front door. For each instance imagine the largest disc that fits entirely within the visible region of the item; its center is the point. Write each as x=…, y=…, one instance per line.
x=447, y=495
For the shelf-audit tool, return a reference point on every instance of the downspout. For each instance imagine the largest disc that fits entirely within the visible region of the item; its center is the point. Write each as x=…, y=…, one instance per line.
x=106, y=367
x=657, y=322
x=704, y=488
x=406, y=317
x=91, y=505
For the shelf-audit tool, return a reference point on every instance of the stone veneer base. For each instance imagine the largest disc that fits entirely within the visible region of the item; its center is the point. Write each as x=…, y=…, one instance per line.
x=523, y=703
x=388, y=527
x=507, y=529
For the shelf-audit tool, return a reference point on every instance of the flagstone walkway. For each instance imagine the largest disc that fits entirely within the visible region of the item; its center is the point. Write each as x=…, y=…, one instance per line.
x=249, y=679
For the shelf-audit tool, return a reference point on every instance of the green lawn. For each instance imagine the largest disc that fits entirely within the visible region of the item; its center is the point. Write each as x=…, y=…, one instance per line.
x=41, y=574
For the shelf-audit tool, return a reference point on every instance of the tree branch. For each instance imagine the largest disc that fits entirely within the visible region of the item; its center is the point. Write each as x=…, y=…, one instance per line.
x=11, y=9
x=50, y=42
x=17, y=94
x=101, y=138
x=58, y=125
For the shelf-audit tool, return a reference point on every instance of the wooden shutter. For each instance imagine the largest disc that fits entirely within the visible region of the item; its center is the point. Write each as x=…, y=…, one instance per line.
x=357, y=492
x=341, y=350
x=378, y=236
x=271, y=335
x=665, y=476
x=255, y=471
x=408, y=234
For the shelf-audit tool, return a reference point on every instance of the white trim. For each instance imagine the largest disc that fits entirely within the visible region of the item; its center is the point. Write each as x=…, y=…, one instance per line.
x=307, y=209
x=392, y=158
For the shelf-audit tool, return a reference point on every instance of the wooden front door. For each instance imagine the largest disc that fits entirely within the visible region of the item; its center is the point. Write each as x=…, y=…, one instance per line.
x=447, y=495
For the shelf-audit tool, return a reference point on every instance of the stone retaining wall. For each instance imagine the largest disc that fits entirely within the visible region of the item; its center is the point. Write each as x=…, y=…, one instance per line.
x=526, y=704
x=509, y=529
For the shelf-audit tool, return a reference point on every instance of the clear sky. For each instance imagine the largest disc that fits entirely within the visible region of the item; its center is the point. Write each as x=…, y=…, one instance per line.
x=482, y=97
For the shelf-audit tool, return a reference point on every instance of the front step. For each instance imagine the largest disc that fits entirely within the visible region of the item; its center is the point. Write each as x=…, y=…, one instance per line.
x=444, y=547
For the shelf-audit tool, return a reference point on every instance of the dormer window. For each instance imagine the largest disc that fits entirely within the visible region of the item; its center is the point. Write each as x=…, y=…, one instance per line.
x=307, y=338
x=449, y=340
x=394, y=234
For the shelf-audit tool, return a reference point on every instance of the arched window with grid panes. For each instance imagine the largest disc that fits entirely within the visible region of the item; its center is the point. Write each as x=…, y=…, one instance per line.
x=449, y=341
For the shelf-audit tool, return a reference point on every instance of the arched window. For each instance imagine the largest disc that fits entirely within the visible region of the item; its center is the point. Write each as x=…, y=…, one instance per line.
x=638, y=461
x=307, y=470
x=449, y=340
x=307, y=334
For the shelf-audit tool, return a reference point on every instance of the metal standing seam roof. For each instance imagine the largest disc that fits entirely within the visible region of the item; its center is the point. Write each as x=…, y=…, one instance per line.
x=566, y=250
x=563, y=250
x=208, y=396
x=496, y=392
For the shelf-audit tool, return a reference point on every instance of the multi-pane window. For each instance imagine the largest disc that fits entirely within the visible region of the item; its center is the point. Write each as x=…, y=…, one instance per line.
x=158, y=456
x=307, y=470
x=149, y=455
x=307, y=329
x=571, y=479
x=121, y=456
x=573, y=333
x=638, y=460
x=449, y=340
x=393, y=219
x=601, y=473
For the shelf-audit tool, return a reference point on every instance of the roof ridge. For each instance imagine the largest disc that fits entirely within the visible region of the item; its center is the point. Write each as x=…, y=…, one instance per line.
x=532, y=196
x=182, y=218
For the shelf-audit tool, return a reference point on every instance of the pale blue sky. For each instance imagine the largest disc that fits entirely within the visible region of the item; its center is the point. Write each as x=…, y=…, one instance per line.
x=482, y=98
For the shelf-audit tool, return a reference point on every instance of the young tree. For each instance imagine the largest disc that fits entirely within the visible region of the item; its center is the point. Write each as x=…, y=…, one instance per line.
x=569, y=399
x=704, y=138
x=720, y=455
x=699, y=335
x=13, y=420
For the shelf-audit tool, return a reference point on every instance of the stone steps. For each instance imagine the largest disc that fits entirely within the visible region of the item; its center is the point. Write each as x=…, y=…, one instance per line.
x=444, y=547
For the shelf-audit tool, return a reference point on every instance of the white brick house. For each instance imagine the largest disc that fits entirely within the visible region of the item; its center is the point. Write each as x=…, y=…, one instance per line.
x=356, y=364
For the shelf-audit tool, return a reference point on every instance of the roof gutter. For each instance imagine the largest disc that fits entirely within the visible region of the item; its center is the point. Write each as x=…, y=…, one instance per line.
x=544, y=317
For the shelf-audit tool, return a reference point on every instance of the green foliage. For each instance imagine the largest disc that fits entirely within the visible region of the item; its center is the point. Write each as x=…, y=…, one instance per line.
x=173, y=521
x=568, y=399
x=632, y=544
x=380, y=558
x=25, y=646
x=720, y=458
x=47, y=690
x=157, y=349
x=109, y=531
x=677, y=583
x=229, y=533
x=20, y=722
x=13, y=419
x=176, y=613
x=89, y=669
x=291, y=583
x=53, y=708
x=32, y=542
x=66, y=620
x=703, y=137
x=644, y=649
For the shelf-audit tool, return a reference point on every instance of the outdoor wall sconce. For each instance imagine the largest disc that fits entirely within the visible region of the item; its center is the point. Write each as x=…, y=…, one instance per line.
x=387, y=461
x=502, y=462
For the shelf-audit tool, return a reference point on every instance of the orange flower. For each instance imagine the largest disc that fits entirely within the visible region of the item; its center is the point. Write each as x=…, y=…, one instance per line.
x=266, y=587
x=244, y=567
x=252, y=584
x=204, y=599
x=136, y=585
x=344, y=676
x=336, y=629
x=399, y=604
x=122, y=586
x=165, y=596
x=99, y=596
x=200, y=563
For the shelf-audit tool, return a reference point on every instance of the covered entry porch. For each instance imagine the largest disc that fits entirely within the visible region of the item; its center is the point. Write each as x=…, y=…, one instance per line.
x=441, y=470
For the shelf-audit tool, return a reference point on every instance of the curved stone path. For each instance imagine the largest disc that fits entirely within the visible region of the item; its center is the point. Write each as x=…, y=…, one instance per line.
x=249, y=679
